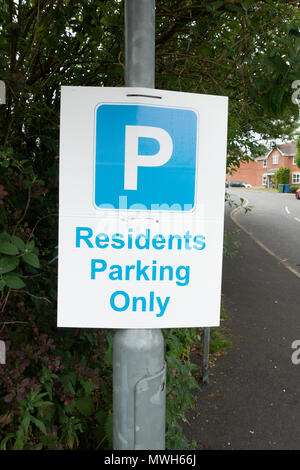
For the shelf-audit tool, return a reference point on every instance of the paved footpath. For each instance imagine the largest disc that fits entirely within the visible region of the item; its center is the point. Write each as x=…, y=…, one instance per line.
x=253, y=398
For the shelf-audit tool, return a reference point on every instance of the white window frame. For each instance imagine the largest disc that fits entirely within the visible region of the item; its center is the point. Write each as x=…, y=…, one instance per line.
x=264, y=180
x=275, y=159
x=294, y=160
x=265, y=163
x=296, y=178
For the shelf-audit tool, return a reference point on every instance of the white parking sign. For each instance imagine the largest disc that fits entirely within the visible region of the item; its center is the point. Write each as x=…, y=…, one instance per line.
x=142, y=181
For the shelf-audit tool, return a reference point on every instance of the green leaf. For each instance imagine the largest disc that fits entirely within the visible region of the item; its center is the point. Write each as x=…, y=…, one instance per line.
x=26, y=421
x=29, y=247
x=2, y=284
x=100, y=417
x=32, y=259
x=39, y=424
x=214, y=5
x=18, y=242
x=85, y=405
x=19, y=442
x=8, y=263
x=5, y=440
x=38, y=404
x=4, y=237
x=49, y=441
x=88, y=386
x=276, y=97
x=247, y=4
x=277, y=63
x=109, y=428
x=233, y=8
x=8, y=248
x=13, y=281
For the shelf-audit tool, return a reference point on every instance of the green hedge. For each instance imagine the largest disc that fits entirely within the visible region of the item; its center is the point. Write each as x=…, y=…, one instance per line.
x=282, y=176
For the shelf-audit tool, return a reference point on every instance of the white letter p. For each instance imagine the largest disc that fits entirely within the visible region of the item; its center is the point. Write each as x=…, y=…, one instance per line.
x=132, y=158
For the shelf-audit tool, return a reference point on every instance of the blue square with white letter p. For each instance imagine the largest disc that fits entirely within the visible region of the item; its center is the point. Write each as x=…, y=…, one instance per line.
x=145, y=157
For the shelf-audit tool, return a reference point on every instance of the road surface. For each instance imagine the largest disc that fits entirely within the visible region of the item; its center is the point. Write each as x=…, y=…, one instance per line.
x=252, y=400
x=274, y=220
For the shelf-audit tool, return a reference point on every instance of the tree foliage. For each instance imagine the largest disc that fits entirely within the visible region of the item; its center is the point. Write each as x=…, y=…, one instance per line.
x=247, y=50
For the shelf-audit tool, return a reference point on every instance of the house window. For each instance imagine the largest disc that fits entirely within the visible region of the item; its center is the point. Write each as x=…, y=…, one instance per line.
x=264, y=180
x=275, y=159
x=294, y=160
x=265, y=163
x=296, y=178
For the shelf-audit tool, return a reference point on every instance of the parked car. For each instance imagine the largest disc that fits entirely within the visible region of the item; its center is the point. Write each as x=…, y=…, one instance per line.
x=238, y=184
x=298, y=194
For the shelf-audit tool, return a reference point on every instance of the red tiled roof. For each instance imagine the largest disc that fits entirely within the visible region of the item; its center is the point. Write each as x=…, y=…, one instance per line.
x=288, y=149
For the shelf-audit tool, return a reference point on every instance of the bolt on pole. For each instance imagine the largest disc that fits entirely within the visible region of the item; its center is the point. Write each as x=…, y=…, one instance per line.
x=139, y=371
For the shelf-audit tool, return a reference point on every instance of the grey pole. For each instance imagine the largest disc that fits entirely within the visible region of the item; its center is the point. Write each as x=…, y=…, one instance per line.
x=2, y=343
x=140, y=43
x=139, y=372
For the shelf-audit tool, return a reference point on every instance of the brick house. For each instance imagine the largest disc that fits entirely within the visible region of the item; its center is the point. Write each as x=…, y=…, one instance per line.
x=259, y=172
